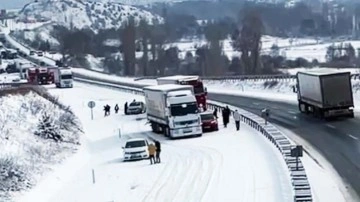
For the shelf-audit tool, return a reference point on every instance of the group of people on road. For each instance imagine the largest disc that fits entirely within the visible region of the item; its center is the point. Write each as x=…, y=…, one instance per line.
x=154, y=152
x=226, y=112
x=107, y=108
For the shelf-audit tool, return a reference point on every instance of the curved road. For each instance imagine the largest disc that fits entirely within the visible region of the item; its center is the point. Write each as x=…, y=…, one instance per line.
x=338, y=141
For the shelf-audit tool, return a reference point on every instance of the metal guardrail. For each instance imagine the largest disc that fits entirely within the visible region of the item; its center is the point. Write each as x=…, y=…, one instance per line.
x=301, y=186
x=11, y=85
x=245, y=77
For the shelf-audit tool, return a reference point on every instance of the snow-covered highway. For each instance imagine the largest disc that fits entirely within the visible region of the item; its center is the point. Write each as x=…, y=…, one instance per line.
x=220, y=166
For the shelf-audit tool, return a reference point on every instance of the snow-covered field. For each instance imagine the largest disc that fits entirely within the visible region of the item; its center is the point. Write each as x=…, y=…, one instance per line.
x=220, y=166
x=27, y=154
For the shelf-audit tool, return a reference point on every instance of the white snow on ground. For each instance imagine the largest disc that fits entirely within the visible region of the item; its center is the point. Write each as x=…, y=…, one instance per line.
x=25, y=158
x=220, y=166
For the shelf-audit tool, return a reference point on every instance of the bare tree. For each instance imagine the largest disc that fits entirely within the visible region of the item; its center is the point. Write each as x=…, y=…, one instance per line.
x=248, y=41
x=128, y=44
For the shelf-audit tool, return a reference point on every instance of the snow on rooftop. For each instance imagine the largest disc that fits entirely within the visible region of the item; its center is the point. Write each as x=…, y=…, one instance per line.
x=168, y=87
x=323, y=71
x=178, y=77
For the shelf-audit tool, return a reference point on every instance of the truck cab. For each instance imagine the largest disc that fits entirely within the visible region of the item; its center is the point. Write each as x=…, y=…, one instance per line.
x=63, y=78
x=183, y=114
x=172, y=110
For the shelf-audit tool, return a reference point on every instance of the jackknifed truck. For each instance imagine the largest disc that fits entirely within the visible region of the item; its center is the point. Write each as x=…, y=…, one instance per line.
x=172, y=110
x=325, y=93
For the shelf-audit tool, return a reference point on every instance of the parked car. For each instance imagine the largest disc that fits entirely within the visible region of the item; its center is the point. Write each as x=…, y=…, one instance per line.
x=136, y=108
x=40, y=53
x=136, y=149
x=209, y=122
x=32, y=52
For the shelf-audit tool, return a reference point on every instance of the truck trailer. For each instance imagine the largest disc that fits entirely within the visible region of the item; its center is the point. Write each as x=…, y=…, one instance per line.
x=195, y=81
x=172, y=110
x=325, y=93
x=63, y=77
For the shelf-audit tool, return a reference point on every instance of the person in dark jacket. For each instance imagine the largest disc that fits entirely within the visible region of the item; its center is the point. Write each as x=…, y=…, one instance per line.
x=116, y=108
x=158, y=150
x=108, y=109
x=215, y=113
x=226, y=115
x=105, y=110
x=125, y=108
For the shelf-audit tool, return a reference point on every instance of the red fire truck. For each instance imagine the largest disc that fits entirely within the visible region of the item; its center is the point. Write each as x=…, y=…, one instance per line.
x=40, y=75
x=199, y=89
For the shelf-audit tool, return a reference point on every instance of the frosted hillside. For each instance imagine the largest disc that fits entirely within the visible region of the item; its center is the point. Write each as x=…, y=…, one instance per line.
x=25, y=154
x=84, y=14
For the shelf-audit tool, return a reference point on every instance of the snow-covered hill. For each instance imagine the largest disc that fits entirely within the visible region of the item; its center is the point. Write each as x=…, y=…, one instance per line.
x=27, y=151
x=85, y=14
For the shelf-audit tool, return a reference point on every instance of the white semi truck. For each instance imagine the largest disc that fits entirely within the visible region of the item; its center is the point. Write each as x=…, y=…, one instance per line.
x=63, y=78
x=325, y=93
x=172, y=110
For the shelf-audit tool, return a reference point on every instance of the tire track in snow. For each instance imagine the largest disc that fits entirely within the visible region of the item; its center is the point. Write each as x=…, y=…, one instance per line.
x=186, y=180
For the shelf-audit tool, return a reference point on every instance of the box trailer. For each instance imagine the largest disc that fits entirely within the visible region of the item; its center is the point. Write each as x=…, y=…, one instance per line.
x=325, y=93
x=172, y=110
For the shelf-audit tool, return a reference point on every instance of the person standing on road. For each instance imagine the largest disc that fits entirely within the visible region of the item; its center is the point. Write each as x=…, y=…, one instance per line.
x=125, y=108
x=215, y=113
x=108, y=109
x=265, y=113
x=158, y=150
x=152, y=150
x=223, y=114
x=116, y=108
x=237, y=119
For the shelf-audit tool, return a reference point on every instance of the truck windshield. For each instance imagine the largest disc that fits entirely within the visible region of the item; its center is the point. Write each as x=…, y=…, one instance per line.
x=198, y=89
x=66, y=76
x=180, y=110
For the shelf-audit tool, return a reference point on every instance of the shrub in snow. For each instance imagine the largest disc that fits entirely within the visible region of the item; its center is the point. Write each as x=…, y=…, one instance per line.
x=270, y=84
x=47, y=129
x=13, y=175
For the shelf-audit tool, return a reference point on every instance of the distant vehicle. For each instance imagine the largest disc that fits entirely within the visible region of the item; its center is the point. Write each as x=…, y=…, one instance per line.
x=172, y=110
x=136, y=108
x=63, y=77
x=195, y=81
x=325, y=93
x=209, y=122
x=136, y=149
x=32, y=52
x=39, y=75
x=40, y=53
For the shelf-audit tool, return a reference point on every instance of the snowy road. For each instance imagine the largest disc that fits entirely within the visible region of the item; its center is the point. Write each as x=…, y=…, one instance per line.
x=220, y=166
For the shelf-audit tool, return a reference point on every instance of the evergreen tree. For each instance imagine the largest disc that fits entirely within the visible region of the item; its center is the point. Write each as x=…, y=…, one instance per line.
x=47, y=129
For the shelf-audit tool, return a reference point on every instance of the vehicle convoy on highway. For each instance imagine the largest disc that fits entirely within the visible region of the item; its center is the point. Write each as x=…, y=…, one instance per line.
x=195, y=81
x=325, y=93
x=172, y=110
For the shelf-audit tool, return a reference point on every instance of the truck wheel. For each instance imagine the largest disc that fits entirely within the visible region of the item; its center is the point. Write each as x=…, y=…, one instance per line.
x=153, y=127
x=167, y=132
x=302, y=107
